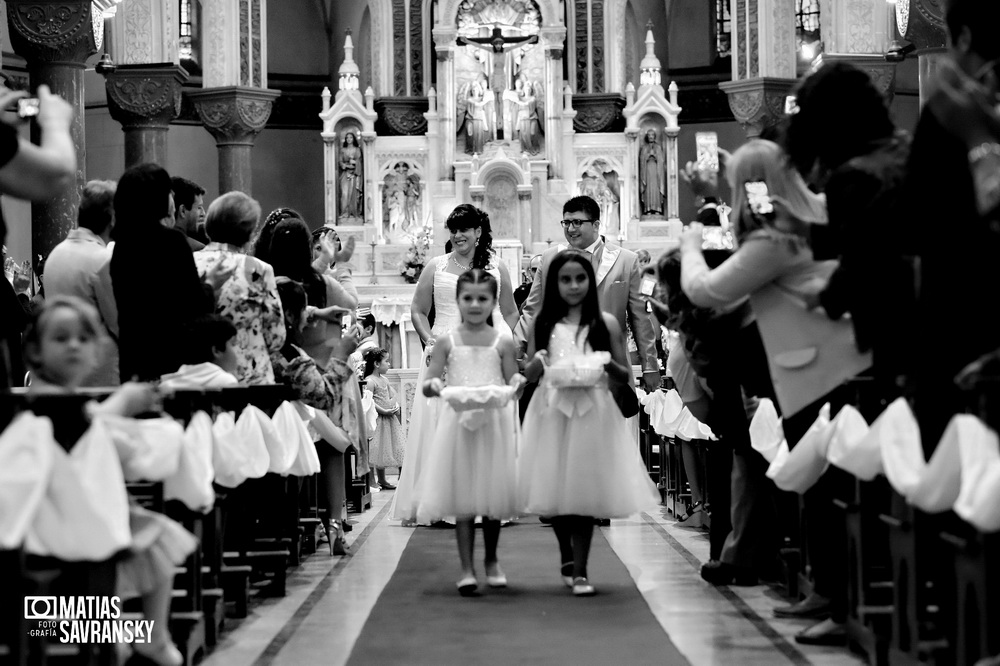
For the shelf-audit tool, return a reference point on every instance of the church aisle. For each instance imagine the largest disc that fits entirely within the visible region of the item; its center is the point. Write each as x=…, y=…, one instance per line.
x=420, y=618
x=394, y=601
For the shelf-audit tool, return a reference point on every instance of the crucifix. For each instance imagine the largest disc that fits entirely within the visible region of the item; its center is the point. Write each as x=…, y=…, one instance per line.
x=498, y=45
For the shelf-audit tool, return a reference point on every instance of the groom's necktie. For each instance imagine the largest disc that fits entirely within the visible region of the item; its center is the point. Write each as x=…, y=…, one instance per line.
x=595, y=260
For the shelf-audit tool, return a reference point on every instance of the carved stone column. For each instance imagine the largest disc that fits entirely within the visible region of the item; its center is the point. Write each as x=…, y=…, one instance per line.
x=764, y=62
x=447, y=91
x=234, y=115
x=144, y=99
x=55, y=37
x=922, y=22
x=757, y=103
x=859, y=32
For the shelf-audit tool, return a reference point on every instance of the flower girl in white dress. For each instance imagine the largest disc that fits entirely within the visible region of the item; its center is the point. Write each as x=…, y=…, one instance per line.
x=470, y=467
x=61, y=346
x=580, y=460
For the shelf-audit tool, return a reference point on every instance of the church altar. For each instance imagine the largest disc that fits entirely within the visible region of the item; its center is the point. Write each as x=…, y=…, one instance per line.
x=501, y=133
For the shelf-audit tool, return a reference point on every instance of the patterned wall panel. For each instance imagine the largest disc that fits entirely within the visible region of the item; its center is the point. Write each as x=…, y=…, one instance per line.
x=597, y=42
x=399, y=47
x=416, y=48
x=582, y=46
x=245, y=43
x=255, y=45
x=739, y=38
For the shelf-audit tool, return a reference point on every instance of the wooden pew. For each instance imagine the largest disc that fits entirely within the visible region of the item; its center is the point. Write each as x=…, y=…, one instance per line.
x=49, y=576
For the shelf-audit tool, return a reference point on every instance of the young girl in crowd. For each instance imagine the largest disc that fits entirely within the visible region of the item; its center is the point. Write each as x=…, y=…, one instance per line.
x=321, y=389
x=61, y=346
x=386, y=449
x=470, y=468
x=579, y=460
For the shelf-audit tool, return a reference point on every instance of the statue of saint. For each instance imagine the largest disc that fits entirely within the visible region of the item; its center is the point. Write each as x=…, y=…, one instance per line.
x=651, y=175
x=498, y=45
x=527, y=126
x=477, y=121
x=351, y=181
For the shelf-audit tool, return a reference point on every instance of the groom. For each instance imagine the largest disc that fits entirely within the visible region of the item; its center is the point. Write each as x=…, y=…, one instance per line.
x=618, y=280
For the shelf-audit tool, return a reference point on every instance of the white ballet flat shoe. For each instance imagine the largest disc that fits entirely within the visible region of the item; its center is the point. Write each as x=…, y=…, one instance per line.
x=497, y=580
x=583, y=588
x=467, y=586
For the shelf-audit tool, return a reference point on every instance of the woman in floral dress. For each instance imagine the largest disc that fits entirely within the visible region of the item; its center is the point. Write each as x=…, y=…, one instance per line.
x=249, y=298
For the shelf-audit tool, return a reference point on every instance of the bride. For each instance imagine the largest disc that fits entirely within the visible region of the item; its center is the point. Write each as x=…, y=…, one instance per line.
x=472, y=243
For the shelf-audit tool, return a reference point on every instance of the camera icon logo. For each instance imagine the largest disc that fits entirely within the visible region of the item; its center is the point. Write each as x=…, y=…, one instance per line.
x=41, y=608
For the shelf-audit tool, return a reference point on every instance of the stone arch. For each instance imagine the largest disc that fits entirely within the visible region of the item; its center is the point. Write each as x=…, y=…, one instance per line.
x=448, y=13
x=494, y=169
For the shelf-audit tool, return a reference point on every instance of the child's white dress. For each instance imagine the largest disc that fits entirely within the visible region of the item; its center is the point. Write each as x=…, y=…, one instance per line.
x=579, y=456
x=470, y=467
x=386, y=448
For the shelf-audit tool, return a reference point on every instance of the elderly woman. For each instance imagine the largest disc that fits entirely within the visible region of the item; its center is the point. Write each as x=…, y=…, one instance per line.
x=249, y=298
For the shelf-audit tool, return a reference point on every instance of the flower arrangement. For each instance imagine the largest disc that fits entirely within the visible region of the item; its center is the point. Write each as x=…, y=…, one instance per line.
x=416, y=256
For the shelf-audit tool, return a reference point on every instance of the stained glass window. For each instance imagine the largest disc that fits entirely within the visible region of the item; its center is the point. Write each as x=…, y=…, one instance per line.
x=807, y=29
x=723, y=29
x=807, y=20
x=188, y=43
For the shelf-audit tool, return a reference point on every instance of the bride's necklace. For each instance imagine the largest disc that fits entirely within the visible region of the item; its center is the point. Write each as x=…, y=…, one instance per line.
x=459, y=265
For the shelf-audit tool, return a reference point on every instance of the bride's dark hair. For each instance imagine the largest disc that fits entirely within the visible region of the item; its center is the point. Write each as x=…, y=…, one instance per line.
x=467, y=216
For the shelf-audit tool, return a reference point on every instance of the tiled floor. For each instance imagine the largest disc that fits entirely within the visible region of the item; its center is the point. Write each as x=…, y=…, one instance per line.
x=329, y=600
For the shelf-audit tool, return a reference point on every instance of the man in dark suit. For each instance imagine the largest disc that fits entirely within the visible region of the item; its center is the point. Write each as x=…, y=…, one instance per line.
x=618, y=283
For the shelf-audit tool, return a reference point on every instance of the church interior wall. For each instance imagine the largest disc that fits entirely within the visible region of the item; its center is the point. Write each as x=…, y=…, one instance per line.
x=689, y=33
x=296, y=38
x=288, y=171
x=288, y=163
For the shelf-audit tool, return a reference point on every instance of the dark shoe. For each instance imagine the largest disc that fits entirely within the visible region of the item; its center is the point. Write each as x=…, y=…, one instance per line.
x=335, y=532
x=826, y=632
x=720, y=573
x=602, y=522
x=814, y=606
x=691, y=510
x=545, y=520
x=387, y=486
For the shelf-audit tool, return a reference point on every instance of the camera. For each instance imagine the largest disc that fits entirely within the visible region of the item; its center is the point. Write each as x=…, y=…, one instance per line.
x=27, y=107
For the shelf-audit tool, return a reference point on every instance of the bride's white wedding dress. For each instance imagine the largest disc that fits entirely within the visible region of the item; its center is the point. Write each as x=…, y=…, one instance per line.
x=425, y=411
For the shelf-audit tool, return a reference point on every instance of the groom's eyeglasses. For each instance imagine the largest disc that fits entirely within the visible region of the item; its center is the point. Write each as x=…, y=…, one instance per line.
x=576, y=224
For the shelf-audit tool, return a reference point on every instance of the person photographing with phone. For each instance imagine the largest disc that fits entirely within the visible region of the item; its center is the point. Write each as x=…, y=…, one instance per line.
x=809, y=355
x=31, y=172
